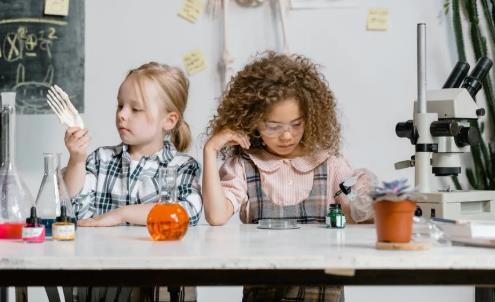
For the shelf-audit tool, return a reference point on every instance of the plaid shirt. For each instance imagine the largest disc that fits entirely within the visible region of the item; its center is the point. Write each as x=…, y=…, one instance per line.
x=110, y=184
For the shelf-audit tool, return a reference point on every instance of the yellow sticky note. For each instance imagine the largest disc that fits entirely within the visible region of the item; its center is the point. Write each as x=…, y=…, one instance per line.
x=378, y=19
x=194, y=61
x=191, y=10
x=57, y=7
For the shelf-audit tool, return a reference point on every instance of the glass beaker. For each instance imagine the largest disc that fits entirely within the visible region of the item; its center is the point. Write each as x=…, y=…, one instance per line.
x=167, y=220
x=52, y=193
x=15, y=198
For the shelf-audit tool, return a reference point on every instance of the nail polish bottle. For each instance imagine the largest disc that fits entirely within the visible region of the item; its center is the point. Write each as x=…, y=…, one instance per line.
x=63, y=228
x=33, y=230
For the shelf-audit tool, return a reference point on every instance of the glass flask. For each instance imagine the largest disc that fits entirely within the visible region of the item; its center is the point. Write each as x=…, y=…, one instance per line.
x=15, y=198
x=65, y=200
x=52, y=193
x=167, y=220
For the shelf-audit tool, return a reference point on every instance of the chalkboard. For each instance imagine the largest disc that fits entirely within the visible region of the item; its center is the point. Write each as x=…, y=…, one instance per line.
x=37, y=51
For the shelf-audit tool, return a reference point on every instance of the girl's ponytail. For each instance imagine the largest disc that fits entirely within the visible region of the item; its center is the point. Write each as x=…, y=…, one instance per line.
x=181, y=136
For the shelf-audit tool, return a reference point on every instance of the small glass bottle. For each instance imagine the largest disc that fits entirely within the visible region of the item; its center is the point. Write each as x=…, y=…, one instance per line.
x=52, y=193
x=339, y=217
x=33, y=230
x=167, y=220
x=15, y=198
x=63, y=228
x=330, y=214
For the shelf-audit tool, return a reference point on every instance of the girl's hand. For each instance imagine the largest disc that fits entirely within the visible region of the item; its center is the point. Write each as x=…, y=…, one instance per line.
x=366, y=183
x=77, y=142
x=227, y=136
x=111, y=218
x=360, y=206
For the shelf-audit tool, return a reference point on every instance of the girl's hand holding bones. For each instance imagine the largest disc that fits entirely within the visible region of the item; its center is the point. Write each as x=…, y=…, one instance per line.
x=77, y=142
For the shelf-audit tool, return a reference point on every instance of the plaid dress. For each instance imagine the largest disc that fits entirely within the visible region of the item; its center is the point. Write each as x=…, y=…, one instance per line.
x=311, y=210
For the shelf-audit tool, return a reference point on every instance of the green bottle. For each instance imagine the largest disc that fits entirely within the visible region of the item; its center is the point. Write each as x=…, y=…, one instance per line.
x=330, y=218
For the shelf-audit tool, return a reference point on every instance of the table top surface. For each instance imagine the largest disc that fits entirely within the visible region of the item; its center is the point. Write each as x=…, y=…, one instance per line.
x=234, y=247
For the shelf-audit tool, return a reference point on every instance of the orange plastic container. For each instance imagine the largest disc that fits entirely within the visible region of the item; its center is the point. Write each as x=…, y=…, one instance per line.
x=393, y=220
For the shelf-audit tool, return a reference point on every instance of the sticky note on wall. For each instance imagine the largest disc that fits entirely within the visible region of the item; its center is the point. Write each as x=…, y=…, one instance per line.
x=191, y=10
x=194, y=61
x=378, y=19
x=57, y=7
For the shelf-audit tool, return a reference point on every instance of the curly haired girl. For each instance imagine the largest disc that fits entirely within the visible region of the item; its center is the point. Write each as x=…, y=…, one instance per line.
x=278, y=128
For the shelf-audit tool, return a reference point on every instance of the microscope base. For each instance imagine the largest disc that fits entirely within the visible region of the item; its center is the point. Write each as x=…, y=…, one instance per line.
x=467, y=205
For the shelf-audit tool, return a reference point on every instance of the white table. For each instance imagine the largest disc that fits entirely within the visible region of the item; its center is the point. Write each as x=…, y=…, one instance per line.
x=237, y=254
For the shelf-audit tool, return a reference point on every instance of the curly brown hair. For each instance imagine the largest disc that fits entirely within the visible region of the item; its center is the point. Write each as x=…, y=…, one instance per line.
x=274, y=77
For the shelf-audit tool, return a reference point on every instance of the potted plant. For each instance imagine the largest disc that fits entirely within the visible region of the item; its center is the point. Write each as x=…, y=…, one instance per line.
x=394, y=209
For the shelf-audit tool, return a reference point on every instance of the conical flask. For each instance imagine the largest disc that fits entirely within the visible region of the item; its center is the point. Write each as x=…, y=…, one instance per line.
x=65, y=200
x=167, y=220
x=52, y=193
x=15, y=198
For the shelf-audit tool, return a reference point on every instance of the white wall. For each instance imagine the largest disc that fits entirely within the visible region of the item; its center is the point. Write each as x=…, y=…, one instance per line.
x=373, y=75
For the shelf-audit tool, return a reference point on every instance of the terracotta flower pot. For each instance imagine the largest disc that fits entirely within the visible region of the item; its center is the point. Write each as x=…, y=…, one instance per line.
x=393, y=220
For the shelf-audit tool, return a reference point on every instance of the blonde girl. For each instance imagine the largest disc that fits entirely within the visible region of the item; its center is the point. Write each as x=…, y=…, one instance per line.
x=118, y=184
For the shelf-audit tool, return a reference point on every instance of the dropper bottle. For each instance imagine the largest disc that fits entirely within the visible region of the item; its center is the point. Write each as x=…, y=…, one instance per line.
x=63, y=228
x=33, y=230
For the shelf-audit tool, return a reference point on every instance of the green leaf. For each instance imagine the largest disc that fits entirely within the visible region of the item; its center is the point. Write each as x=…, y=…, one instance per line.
x=486, y=162
x=471, y=178
x=459, y=36
x=456, y=182
x=446, y=5
x=491, y=148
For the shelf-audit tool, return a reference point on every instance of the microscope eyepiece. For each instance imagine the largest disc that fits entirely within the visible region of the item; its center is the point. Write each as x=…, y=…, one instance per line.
x=457, y=75
x=481, y=69
x=407, y=130
x=473, y=82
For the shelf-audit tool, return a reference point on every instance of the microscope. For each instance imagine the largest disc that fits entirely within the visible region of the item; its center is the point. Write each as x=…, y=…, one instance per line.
x=441, y=130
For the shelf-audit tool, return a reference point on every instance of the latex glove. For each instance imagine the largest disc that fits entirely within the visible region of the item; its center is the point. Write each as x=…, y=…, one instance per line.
x=360, y=198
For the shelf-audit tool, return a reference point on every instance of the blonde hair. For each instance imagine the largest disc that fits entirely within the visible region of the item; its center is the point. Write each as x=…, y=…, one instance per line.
x=174, y=87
